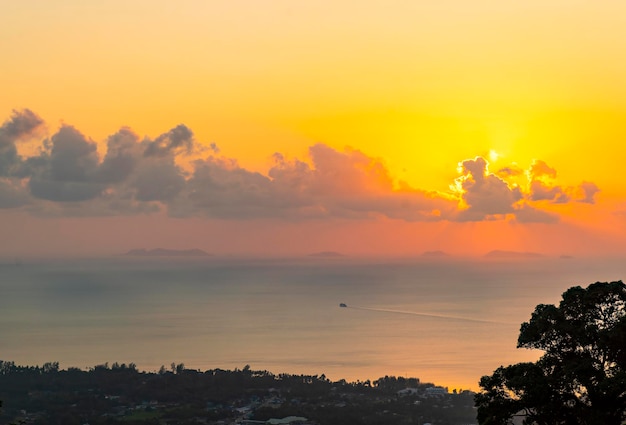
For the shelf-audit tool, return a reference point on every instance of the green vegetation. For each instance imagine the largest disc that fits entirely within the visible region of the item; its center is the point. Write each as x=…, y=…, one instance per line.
x=120, y=394
x=581, y=378
x=140, y=415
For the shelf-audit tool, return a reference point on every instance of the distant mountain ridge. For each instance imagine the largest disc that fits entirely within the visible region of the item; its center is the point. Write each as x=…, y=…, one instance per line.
x=326, y=254
x=435, y=254
x=161, y=252
x=512, y=254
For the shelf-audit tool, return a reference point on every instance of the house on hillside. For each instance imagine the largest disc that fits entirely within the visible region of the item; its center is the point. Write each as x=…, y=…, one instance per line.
x=289, y=420
x=436, y=392
x=407, y=391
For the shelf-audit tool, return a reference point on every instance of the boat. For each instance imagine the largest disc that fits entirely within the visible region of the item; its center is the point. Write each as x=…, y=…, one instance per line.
x=343, y=305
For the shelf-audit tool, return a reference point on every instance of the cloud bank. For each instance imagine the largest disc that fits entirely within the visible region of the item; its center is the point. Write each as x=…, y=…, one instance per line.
x=176, y=174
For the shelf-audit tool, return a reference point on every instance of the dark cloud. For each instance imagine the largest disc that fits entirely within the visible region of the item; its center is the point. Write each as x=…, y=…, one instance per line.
x=67, y=173
x=589, y=191
x=220, y=188
x=540, y=191
x=541, y=184
x=9, y=159
x=21, y=124
x=12, y=194
x=485, y=194
x=345, y=184
x=63, y=191
x=103, y=206
x=123, y=154
x=157, y=179
x=489, y=196
x=510, y=171
x=293, y=177
x=69, y=177
x=528, y=214
x=178, y=140
x=70, y=170
x=73, y=157
x=543, y=188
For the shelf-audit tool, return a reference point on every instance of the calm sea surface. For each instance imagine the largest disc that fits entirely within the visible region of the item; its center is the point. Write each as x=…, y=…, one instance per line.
x=443, y=321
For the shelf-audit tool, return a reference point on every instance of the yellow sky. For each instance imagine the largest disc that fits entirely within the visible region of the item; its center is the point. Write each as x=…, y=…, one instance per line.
x=418, y=85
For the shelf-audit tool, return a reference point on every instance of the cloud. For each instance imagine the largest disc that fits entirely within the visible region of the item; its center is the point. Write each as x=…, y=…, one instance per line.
x=541, y=182
x=68, y=171
x=345, y=184
x=356, y=184
x=220, y=188
x=12, y=194
x=589, y=191
x=22, y=124
x=488, y=196
x=123, y=154
x=157, y=180
x=131, y=174
x=542, y=187
x=540, y=170
x=343, y=173
x=178, y=140
x=175, y=174
x=510, y=171
x=540, y=191
x=352, y=184
x=528, y=214
x=484, y=194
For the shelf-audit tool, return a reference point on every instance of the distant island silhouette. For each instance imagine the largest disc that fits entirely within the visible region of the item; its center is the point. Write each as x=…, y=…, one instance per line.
x=435, y=254
x=511, y=254
x=161, y=252
x=326, y=254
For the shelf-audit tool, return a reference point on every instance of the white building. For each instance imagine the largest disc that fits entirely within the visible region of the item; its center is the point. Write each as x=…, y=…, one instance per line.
x=436, y=391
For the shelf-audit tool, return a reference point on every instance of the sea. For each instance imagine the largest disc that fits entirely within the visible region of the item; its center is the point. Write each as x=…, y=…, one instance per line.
x=446, y=321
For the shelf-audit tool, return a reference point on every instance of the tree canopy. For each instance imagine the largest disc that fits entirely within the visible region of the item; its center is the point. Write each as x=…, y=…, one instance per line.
x=581, y=377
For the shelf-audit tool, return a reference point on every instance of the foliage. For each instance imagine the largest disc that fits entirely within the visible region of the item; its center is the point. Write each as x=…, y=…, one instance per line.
x=581, y=377
x=120, y=394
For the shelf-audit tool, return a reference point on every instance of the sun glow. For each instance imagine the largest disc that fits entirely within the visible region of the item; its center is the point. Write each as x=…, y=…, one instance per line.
x=414, y=88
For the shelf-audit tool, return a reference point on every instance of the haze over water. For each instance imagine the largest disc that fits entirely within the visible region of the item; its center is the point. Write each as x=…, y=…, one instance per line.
x=443, y=321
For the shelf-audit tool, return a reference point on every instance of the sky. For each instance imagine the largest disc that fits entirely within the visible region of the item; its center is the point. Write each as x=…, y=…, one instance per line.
x=285, y=128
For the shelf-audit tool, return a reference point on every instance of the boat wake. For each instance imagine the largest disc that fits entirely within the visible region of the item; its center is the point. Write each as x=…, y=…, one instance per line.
x=430, y=315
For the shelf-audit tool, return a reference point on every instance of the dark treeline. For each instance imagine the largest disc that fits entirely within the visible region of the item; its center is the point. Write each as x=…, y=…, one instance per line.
x=120, y=393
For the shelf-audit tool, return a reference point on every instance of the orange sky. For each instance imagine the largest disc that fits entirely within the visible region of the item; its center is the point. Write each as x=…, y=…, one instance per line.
x=285, y=128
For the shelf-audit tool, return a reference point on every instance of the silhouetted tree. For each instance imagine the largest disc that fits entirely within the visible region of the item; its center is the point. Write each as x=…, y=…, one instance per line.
x=581, y=378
